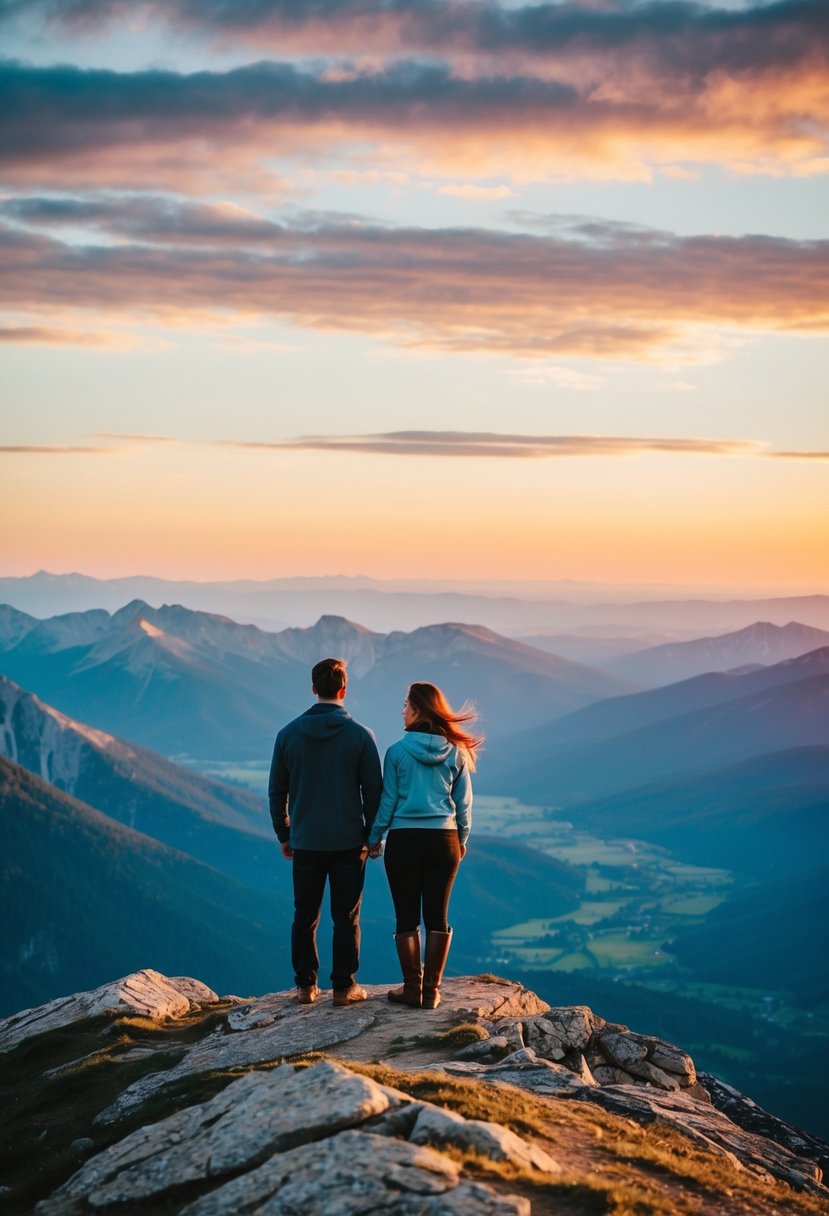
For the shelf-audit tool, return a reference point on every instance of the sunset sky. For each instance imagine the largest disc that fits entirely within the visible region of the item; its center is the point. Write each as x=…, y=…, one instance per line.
x=437, y=289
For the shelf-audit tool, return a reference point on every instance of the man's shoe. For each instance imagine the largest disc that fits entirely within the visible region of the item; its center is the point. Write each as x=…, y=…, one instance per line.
x=350, y=996
x=307, y=996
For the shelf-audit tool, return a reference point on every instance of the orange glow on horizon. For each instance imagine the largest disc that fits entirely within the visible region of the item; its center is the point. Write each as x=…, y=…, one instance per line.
x=218, y=514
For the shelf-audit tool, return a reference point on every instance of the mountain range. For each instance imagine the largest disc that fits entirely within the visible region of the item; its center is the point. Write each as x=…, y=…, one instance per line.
x=759, y=818
x=678, y=730
x=759, y=643
x=617, y=715
x=408, y=604
x=221, y=825
x=727, y=768
x=190, y=683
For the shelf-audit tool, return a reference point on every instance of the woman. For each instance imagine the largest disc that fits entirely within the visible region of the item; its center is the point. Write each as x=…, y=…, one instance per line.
x=425, y=808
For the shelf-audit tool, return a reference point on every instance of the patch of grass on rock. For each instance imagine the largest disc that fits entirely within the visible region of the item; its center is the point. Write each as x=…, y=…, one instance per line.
x=454, y=1037
x=516, y=1109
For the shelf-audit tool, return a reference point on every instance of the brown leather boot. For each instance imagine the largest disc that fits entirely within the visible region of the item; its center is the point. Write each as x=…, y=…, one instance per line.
x=434, y=964
x=408, y=951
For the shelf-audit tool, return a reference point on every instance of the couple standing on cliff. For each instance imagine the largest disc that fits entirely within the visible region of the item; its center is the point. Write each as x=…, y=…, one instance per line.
x=331, y=808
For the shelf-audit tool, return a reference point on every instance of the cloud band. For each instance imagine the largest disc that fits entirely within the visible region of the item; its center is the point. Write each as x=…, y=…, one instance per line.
x=579, y=288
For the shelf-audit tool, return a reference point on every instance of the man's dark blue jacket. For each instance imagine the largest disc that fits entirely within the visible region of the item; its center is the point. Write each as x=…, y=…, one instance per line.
x=325, y=781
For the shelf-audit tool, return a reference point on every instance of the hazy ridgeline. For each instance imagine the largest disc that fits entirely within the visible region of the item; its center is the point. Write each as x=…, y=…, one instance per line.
x=126, y=851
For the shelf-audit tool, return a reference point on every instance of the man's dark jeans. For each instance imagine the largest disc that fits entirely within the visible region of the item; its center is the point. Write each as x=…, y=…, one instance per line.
x=345, y=871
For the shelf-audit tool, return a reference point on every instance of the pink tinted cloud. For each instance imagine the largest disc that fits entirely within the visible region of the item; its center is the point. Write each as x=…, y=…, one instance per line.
x=489, y=444
x=587, y=287
x=54, y=335
x=461, y=444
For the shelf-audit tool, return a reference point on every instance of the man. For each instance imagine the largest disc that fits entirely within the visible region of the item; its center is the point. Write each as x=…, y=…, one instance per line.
x=324, y=791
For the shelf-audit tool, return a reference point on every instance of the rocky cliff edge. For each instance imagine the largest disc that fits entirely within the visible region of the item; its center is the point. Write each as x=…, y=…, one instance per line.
x=155, y=1095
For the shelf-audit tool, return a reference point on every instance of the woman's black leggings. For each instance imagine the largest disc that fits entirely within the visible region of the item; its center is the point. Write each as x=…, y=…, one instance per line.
x=421, y=864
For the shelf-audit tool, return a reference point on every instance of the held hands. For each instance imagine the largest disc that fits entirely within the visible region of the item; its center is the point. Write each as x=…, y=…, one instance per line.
x=376, y=850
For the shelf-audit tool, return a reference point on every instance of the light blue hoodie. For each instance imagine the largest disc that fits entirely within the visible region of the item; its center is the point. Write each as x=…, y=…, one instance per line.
x=425, y=785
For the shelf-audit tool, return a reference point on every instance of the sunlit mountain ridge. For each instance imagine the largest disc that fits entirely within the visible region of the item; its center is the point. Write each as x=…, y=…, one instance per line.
x=199, y=684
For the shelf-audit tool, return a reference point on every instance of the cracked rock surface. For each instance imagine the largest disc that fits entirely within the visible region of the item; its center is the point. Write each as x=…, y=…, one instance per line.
x=292, y=1132
x=274, y=1140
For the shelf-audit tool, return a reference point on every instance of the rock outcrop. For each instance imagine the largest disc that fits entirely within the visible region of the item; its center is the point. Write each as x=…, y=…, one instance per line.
x=144, y=993
x=268, y=1129
x=208, y=1106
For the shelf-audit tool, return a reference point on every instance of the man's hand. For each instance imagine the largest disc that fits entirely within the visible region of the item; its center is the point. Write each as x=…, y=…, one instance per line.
x=376, y=850
x=287, y=851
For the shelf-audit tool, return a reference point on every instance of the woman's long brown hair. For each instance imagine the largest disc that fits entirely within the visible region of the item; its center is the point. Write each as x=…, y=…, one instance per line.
x=434, y=711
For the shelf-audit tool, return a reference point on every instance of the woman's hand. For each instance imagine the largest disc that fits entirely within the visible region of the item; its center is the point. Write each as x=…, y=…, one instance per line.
x=463, y=851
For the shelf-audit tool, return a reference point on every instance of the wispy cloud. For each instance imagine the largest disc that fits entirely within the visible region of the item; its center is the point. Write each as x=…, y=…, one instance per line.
x=489, y=444
x=581, y=288
x=48, y=335
x=460, y=444
x=102, y=443
x=53, y=449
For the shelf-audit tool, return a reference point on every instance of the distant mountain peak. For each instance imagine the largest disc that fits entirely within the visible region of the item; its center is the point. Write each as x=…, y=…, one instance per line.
x=759, y=643
x=460, y=628
x=768, y=629
x=135, y=608
x=176, y=612
x=14, y=625
x=331, y=620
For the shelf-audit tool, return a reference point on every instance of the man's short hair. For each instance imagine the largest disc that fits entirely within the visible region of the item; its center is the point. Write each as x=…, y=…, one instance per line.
x=328, y=677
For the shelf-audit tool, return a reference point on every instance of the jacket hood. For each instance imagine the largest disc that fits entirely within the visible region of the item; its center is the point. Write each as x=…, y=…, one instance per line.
x=428, y=749
x=323, y=721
